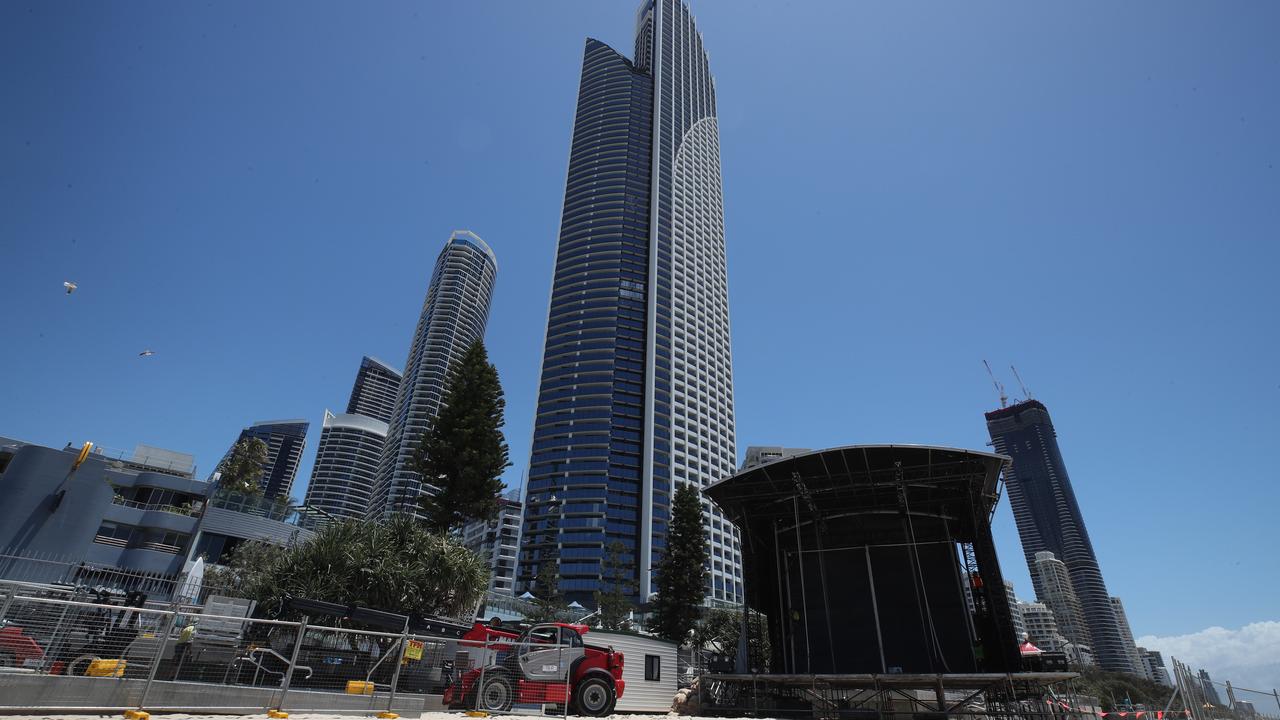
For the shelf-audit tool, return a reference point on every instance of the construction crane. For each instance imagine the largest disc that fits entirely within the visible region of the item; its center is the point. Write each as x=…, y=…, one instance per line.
x=1004, y=399
x=1026, y=394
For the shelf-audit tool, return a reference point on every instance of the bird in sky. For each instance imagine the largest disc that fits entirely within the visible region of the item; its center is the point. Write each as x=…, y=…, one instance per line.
x=146, y=353
x=70, y=286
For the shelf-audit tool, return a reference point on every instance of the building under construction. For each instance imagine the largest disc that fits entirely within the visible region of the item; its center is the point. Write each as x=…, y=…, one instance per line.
x=859, y=557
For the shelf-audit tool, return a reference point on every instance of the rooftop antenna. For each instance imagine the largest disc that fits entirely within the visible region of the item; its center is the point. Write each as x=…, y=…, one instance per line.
x=1004, y=399
x=1025, y=391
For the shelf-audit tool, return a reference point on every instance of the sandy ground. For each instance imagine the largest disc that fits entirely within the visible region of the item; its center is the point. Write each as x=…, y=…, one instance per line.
x=327, y=716
x=330, y=716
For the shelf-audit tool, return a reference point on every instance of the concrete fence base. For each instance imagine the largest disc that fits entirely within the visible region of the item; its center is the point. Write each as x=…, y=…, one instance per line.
x=22, y=694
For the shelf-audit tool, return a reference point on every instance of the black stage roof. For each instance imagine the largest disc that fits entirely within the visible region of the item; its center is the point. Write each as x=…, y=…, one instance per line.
x=864, y=479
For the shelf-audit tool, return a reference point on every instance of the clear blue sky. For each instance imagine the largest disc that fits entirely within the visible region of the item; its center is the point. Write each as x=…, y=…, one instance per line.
x=1089, y=191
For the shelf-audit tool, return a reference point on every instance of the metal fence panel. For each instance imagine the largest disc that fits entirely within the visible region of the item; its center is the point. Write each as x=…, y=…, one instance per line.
x=57, y=653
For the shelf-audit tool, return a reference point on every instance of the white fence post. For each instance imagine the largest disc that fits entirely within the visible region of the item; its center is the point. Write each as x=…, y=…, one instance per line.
x=163, y=638
x=395, y=676
x=293, y=661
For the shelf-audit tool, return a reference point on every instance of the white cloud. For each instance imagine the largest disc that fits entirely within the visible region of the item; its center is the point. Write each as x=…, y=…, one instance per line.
x=1248, y=657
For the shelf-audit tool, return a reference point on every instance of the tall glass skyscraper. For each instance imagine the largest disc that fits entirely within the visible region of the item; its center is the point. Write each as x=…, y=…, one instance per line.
x=454, y=315
x=374, y=393
x=1049, y=520
x=351, y=444
x=285, y=441
x=637, y=381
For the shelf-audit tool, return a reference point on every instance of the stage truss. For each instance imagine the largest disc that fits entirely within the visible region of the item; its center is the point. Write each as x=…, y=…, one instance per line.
x=999, y=696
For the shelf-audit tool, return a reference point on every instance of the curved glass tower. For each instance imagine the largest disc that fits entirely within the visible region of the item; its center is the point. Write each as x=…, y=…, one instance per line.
x=637, y=382
x=454, y=315
x=1049, y=520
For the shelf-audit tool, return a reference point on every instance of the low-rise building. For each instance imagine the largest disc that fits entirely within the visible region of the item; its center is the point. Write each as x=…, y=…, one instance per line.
x=82, y=511
x=761, y=454
x=1042, y=630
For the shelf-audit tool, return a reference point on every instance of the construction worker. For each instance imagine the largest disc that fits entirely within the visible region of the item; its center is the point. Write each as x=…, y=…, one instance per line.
x=183, y=647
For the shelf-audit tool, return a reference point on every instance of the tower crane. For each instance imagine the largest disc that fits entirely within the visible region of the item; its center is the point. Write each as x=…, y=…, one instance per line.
x=1025, y=392
x=1004, y=399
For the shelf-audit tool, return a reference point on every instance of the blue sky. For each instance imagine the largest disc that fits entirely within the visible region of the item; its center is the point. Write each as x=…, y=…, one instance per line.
x=1088, y=191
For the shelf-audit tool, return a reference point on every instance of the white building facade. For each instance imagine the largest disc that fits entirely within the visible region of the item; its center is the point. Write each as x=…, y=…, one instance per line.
x=498, y=542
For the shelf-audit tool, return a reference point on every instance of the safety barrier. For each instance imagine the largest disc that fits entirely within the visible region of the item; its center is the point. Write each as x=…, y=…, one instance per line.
x=66, y=655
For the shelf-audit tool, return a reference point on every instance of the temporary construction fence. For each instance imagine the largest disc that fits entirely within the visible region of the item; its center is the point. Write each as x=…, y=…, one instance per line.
x=54, y=571
x=56, y=575
x=71, y=655
x=65, y=655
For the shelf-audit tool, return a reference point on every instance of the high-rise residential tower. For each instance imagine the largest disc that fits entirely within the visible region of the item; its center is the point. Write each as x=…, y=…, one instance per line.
x=1210, y=692
x=374, y=394
x=1126, y=634
x=285, y=441
x=498, y=542
x=351, y=444
x=637, y=381
x=1153, y=666
x=454, y=315
x=1049, y=520
x=346, y=462
x=1019, y=625
x=1057, y=592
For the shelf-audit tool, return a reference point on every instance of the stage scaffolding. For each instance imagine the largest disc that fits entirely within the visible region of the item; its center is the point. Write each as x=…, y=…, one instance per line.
x=999, y=696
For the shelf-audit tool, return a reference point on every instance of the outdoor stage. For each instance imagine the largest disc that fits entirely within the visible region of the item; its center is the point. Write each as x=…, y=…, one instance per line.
x=860, y=557
x=877, y=572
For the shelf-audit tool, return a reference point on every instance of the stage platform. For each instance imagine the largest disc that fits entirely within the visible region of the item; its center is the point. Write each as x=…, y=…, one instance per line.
x=998, y=696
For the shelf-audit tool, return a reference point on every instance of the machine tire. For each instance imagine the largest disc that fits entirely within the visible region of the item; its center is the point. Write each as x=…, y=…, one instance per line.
x=498, y=693
x=594, y=697
x=80, y=666
x=7, y=660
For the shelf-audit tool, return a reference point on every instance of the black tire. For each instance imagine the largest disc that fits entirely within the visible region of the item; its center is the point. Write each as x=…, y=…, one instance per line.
x=7, y=660
x=594, y=697
x=497, y=694
x=80, y=666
